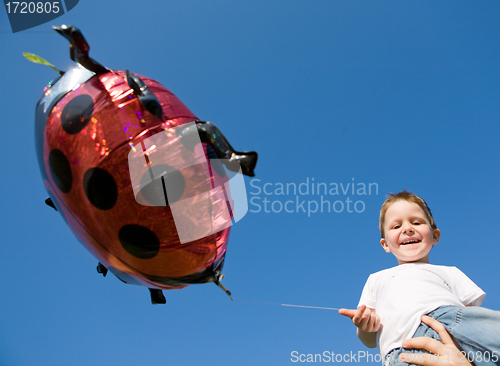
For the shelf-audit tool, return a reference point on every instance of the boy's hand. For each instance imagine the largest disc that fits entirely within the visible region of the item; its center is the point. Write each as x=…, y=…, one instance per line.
x=444, y=353
x=364, y=318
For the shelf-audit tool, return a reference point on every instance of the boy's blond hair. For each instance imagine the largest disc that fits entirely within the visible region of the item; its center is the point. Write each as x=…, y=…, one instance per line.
x=404, y=196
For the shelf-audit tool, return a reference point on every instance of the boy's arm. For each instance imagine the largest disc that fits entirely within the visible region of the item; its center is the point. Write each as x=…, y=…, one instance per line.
x=368, y=323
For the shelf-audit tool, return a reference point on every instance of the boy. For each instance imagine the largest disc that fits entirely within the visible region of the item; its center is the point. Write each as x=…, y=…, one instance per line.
x=393, y=300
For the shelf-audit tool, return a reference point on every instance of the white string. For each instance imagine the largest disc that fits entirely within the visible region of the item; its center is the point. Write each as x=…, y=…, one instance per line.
x=290, y=305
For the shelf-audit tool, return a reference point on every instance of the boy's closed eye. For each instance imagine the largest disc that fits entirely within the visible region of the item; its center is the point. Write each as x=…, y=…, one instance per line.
x=397, y=226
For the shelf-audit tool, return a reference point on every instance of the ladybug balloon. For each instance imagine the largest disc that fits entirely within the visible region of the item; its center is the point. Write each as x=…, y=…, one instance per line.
x=138, y=178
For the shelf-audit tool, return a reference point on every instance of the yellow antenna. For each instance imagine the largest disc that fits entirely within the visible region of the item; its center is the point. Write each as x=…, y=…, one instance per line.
x=38, y=60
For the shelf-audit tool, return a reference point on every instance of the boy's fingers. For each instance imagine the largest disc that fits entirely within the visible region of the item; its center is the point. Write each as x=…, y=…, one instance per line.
x=359, y=315
x=438, y=327
x=426, y=343
x=426, y=359
x=417, y=359
x=352, y=312
x=443, y=353
x=364, y=319
x=348, y=312
x=376, y=323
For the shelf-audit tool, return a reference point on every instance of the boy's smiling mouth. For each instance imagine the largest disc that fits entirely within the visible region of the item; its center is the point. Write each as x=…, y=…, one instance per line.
x=410, y=241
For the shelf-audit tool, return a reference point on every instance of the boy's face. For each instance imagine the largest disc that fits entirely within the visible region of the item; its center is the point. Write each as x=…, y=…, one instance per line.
x=408, y=233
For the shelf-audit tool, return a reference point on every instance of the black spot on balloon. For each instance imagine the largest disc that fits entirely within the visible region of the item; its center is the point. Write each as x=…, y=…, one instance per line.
x=60, y=170
x=77, y=113
x=215, y=162
x=139, y=241
x=162, y=185
x=100, y=188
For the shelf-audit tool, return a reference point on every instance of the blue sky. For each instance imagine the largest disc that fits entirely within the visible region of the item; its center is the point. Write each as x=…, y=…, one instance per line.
x=402, y=94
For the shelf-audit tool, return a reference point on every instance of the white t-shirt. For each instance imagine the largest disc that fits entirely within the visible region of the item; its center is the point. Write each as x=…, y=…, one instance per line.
x=402, y=294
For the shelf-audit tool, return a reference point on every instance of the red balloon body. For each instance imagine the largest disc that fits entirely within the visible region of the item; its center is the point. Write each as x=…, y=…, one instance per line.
x=84, y=135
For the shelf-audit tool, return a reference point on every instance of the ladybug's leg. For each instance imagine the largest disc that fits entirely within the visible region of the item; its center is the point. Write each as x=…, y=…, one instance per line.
x=102, y=269
x=49, y=202
x=157, y=296
x=217, y=280
x=79, y=48
x=145, y=96
x=211, y=135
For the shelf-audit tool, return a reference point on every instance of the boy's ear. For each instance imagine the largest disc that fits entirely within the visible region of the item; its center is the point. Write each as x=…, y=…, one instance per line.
x=383, y=242
x=436, y=234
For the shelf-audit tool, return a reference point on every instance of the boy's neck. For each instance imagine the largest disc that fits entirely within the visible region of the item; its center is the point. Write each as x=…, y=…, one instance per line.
x=423, y=260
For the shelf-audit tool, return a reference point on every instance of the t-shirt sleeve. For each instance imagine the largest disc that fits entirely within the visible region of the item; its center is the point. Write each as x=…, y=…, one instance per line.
x=466, y=289
x=367, y=296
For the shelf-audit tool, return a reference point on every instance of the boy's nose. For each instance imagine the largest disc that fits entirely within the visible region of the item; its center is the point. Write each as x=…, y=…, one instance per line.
x=408, y=229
